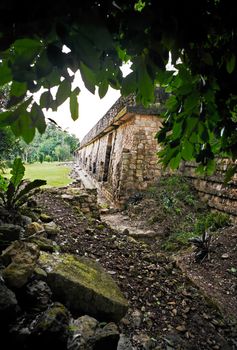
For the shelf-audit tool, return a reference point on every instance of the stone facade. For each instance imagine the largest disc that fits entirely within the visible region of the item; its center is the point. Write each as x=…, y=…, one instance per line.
x=212, y=189
x=119, y=153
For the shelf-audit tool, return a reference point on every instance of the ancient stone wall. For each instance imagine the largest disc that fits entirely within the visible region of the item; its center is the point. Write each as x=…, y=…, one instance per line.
x=123, y=160
x=212, y=188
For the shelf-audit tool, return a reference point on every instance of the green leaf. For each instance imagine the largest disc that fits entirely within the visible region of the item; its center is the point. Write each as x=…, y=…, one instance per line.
x=211, y=166
x=103, y=88
x=172, y=103
x=5, y=73
x=174, y=162
x=24, y=127
x=46, y=100
x=28, y=188
x=17, y=172
x=43, y=66
x=64, y=91
x=74, y=106
x=38, y=118
x=207, y=58
x=129, y=84
x=146, y=87
x=3, y=183
x=6, y=118
x=177, y=129
x=18, y=89
x=192, y=102
x=187, y=150
x=230, y=63
x=22, y=45
x=88, y=77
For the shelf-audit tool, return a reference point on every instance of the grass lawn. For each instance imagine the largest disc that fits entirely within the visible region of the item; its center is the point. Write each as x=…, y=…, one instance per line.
x=54, y=173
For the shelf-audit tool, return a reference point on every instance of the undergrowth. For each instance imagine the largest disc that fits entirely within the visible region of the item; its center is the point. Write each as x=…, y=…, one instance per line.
x=173, y=205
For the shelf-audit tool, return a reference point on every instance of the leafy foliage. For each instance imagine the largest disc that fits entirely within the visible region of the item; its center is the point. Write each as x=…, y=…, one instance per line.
x=172, y=206
x=15, y=192
x=202, y=245
x=55, y=144
x=200, y=38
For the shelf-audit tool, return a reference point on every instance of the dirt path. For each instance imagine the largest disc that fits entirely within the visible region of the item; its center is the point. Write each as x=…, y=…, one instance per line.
x=166, y=311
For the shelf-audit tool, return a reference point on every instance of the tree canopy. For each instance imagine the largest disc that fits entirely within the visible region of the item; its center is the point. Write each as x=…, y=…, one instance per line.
x=199, y=36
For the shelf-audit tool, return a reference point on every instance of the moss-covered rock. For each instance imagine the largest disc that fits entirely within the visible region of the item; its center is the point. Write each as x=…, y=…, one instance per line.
x=33, y=229
x=44, y=244
x=84, y=286
x=45, y=218
x=20, y=261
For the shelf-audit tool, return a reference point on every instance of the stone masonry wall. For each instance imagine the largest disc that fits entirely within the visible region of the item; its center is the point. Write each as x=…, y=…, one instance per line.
x=124, y=160
x=212, y=189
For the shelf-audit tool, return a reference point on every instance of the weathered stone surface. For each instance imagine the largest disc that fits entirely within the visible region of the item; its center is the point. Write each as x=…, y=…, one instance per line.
x=8, y=234
x=37, y=295
x=83, y=286
x=44, y=244
x=20, y=259
x=107, y=338
x=82, y=329
x=87, y=334
x=33, y=229
x=51, y=229
x=51, y=330
x=8, y=303
x=124, y=343
x=45, y=218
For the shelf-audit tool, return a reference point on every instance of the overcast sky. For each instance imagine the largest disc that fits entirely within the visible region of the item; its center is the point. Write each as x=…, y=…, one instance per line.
x=91, y=108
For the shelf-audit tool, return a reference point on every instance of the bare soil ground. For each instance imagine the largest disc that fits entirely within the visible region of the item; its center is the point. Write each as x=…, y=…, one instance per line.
x=166, y=310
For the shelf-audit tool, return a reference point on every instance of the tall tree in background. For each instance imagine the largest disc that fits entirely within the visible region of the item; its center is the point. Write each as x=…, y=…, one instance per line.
x=100, y=35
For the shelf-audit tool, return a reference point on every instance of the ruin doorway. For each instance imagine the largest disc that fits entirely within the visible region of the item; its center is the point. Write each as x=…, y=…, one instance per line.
x=107, y=157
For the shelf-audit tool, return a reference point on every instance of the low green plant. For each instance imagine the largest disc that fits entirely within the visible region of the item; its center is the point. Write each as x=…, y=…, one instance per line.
x=15, y=192
x=202, y=246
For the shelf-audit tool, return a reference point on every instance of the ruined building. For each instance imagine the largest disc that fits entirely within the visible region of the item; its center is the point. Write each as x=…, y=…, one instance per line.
x=119, y=152
x=119, y=155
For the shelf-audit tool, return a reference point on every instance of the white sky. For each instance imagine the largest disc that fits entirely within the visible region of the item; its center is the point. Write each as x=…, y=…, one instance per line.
x=91, y=108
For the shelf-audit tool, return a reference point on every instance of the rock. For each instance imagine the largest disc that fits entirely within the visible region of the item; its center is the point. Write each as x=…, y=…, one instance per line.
x=36, y=296
x=40, y=274
x=20, y=259
x=125, y=231
x=144, y=341
x=84, y=286
x=225, y=256
x=136, y=318
x=124, y=343
x=51, y=329
x=44, y=244
x=89, y=335
x=51, y=229
x=106, y=338
x=45, y=218
x=82, y=329
x=34, y=229
x=8, y=304
x=8, y=234
x=25, y=220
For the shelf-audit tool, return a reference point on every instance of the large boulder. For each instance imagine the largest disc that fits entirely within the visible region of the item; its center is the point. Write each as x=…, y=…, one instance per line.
x=84, y=286
x=20, y=261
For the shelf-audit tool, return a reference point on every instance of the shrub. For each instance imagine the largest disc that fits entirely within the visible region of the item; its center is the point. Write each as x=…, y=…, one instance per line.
x=14, y=192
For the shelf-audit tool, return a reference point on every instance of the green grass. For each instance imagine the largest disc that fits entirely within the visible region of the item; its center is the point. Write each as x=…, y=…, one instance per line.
x=56, y=175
